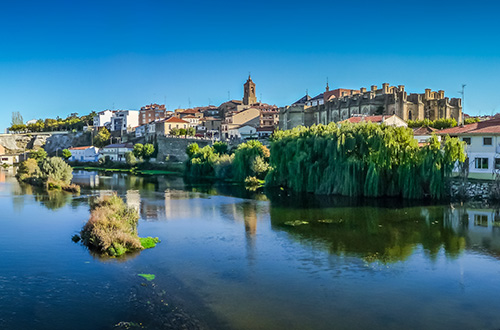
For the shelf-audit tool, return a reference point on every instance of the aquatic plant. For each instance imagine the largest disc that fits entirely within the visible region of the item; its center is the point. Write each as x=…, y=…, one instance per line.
x=149, y=242
x=112, y=228
x=361, y=160
x=148, y=277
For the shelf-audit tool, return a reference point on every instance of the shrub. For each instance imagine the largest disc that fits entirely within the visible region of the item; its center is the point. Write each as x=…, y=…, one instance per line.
x=130, y=158
x=56, y=170
x=112, y=227
x=27, y=170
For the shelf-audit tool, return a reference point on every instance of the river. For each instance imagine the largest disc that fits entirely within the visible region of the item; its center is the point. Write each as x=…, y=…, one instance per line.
x=236, y=259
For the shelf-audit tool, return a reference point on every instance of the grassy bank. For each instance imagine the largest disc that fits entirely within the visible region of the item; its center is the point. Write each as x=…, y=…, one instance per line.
x=158, y=170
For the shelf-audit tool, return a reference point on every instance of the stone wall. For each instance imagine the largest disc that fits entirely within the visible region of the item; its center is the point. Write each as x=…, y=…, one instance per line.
x=175, y=147
x=474, y=190
x=51, y=142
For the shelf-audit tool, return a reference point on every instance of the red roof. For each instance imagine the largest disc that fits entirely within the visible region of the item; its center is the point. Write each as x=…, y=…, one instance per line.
x=80, y=148
x=175, y=120
x=481, y=128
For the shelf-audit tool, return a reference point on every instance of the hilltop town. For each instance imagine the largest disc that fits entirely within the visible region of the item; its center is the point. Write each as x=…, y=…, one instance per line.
x=111, y=134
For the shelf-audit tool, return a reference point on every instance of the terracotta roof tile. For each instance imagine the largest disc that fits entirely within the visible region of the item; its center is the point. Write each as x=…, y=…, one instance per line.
x=483, y=127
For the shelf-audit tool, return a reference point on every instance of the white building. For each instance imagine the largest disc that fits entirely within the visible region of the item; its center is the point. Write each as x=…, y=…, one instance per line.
x=84, y=154
x=9, y=159
x=482, y=147
x=102, y=118
x=123, y=120
x=193, y=121
x=116, y=152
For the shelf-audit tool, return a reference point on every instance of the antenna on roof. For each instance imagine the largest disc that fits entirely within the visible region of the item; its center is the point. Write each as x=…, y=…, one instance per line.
x=327, y=87
x=463, y=96
x=189, y=101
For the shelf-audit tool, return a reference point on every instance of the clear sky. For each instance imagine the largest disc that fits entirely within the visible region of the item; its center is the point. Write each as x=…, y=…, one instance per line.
x=59, y=57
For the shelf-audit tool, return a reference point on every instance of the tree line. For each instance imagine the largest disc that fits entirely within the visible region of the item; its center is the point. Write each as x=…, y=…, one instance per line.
x=70, y=123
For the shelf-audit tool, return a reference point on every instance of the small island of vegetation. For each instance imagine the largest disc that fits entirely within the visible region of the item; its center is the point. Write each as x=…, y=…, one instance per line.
x=112, y=228
x=51, y=173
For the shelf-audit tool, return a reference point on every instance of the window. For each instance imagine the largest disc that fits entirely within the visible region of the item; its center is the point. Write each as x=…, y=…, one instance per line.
x=487, y=141
x=481, y=163
x=466, y=140
x=481, y=220
x=497, y=163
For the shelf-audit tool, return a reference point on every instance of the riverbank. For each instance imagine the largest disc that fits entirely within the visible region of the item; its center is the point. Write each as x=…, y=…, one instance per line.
x=168, y=170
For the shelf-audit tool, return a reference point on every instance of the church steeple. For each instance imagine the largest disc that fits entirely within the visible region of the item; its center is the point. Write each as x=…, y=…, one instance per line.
x=249, y=97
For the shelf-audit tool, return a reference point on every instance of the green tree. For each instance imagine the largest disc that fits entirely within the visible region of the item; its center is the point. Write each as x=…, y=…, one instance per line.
x=174, y=131
x=191, y=131
x=148, y=151
x=102, y=138
x=182, y=132
x=130, y=159
x=244, y=158
x=66, y=154
x=56, y=170
x=138, y=150
x=220, y=147
x=38, y=155
x=192, y=149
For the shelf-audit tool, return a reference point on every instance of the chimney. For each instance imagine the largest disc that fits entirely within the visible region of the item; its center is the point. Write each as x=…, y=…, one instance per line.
x=374, y=88
x=362, y=90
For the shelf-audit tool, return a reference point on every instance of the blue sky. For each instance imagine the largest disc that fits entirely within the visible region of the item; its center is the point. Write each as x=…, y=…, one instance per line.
x=58, y=57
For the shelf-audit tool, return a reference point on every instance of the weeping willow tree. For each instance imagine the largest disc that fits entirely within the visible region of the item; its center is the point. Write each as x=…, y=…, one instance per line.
x=361, y=160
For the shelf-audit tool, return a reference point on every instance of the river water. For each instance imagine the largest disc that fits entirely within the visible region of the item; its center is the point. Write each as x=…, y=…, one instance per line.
x=234, y=259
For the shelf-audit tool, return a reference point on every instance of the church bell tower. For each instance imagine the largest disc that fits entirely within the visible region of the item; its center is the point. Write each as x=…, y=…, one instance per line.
x=249, y=92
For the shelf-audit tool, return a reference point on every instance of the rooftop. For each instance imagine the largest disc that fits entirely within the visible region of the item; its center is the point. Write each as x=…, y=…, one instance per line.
x=483, y=127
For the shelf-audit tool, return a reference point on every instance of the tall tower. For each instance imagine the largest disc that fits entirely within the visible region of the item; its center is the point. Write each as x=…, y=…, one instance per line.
x=249, y=92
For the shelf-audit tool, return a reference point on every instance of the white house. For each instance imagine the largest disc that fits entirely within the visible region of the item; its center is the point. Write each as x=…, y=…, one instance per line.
x=193, y=120
x=116, y=152
x=123, y=120
x=482, y=147
x=102, y=118
x=9, y=159
x=84, y=154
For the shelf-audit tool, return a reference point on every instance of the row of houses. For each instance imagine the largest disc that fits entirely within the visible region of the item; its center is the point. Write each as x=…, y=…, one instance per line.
x=115, y=152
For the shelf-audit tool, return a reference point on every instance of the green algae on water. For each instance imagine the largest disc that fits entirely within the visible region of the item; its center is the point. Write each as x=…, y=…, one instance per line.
x=296, y=223
x=149, y=242
x=148, y=277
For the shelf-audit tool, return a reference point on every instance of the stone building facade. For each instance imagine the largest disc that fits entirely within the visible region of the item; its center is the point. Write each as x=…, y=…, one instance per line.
x=388, y=100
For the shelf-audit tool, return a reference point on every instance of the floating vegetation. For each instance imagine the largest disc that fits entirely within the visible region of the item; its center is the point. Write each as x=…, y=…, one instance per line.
x=128, y=325
x=296, y=223
x=331, y=221
x=148, y=277
x=112, y=228
x=149, y=242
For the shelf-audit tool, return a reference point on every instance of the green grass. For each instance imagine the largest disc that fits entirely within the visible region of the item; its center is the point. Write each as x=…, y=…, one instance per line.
x=149, y=242
x=148, y=277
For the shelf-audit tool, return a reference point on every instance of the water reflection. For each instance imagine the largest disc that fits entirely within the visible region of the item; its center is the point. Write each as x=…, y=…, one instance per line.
x=375, y=230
